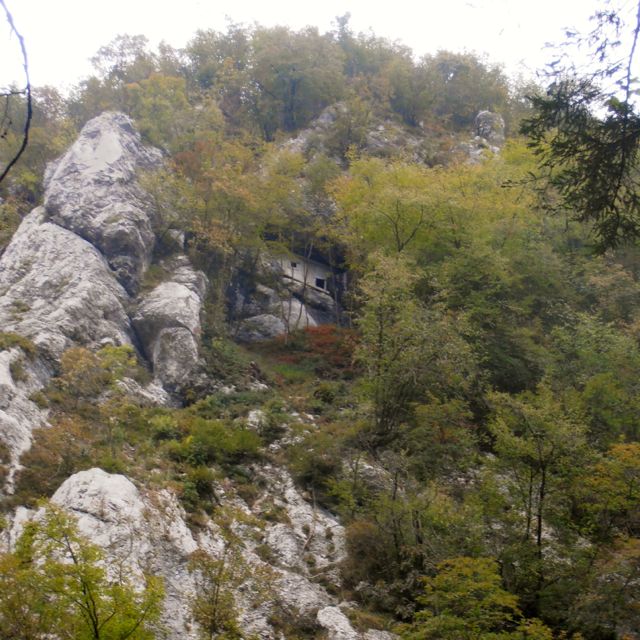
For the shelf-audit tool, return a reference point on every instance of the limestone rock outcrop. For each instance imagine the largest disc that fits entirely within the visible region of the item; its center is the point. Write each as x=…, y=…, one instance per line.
x=489, y=137
x=145, y=531
x=58, y=290
x=490, y=127
x=168, y=324
x=263, y=326
x=311, y=540
x=377, y=137
x=69, y=275
x=92, y=191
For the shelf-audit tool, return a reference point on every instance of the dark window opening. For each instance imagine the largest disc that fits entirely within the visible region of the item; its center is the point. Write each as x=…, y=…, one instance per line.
x=320, y=282
x=294, y=265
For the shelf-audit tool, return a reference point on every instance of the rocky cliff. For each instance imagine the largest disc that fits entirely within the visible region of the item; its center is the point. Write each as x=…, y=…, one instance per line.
x=73, y=276
x=70, y=275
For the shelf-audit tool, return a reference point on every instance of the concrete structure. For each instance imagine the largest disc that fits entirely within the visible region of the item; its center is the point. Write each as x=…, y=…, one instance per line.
x=314, y=275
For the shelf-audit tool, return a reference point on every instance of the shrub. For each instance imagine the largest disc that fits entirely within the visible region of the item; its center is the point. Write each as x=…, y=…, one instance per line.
x=9, y=340
x=211, y=442
x=18, y=372
x=225, y=360
x=326, y=350
x=164, y=427
x=203, y=480
x=316, y=462
x=57, y=452
x=5, y=457
x=228, y=405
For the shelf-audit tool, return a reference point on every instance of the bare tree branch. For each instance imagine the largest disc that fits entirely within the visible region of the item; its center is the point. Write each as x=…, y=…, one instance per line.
x=25, y=92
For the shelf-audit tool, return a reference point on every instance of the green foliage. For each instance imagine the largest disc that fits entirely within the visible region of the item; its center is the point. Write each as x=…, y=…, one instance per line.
x=213, y=606
x=58, y=452
x=602, y=363
x=538, y=440
x=386, y=206
x=442, y=438
x=609, y=493
x=49, y=135
x=462, y=85
x=466, y=600
x=317, y=463
x=226, y=360
x=405, y=349
x=228, y=405
x=209, y=442
x=56, y=582
x=588, y=146
x=607, y=603
x=9, y=222
x=401, y=536
x=85, y=374
x=349, y=132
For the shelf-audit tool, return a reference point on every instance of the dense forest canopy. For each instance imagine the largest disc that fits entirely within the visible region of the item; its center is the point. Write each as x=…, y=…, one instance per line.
x=487, y=362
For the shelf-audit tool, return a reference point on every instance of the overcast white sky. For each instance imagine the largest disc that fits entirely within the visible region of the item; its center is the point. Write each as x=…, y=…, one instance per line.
x=61, y=35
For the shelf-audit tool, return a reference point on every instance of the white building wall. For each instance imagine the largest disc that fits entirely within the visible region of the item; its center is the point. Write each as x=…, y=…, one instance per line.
x=313, y=274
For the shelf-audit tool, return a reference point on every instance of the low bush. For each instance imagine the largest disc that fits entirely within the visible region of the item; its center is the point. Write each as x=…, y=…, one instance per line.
x=9, y=340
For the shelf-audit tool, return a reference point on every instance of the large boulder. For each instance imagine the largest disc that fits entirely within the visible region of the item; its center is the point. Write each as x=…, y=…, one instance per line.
x=488, y=139
x=168, y=324
x=490, y=127
x=92, y=191
x=264, y=326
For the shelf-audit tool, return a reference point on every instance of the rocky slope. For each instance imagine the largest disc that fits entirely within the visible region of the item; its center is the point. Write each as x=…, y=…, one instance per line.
x=72, y=276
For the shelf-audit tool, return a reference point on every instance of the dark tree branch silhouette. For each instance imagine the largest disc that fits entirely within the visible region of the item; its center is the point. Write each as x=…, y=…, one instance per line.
x=8, y=94
x=586, y=133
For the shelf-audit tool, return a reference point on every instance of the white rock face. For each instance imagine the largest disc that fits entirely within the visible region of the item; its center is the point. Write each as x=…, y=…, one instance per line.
x=67, y=276
x=58, y=290
x=104, y=503
x=146, y=535
x=168, y=325
x=489, y=137
x=91, y=190
x=150, y=395
x=18, y=414
x=336, y=624
x=267, y=313
x=490, y=126
x=311, y=541
x=256, y=419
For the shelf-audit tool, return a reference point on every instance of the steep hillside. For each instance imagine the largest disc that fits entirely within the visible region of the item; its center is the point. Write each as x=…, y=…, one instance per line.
x=73, y=282
x=295, y=350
